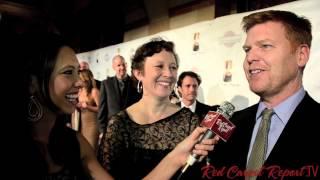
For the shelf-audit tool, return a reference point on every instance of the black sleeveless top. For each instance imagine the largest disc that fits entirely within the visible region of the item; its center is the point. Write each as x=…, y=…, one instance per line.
x=64, y=149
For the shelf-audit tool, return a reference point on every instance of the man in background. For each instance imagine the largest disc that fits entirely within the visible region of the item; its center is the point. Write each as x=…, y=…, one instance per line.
x=116, y=92
x=188, y=84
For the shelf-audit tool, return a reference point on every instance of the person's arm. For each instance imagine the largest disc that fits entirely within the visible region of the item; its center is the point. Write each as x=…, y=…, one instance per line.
x=95, y=94
x=90, y=162
x=177, y=158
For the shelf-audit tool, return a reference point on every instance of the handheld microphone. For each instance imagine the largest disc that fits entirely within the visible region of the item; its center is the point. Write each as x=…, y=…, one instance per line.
x=217, y=123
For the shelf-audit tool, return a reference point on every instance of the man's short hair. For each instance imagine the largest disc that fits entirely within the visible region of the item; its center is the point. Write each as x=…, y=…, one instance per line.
x=188, y=73
x=298, y=29
x=118, y=56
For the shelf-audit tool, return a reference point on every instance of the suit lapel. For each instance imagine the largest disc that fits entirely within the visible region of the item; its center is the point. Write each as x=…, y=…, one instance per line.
x=198, y=109
x=116, y=89
x=127, y=87
x=201, y=110
x=293, y=131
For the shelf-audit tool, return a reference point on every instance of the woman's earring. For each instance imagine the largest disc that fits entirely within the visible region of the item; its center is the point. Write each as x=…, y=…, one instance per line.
x=35, y=110
x=139, y=87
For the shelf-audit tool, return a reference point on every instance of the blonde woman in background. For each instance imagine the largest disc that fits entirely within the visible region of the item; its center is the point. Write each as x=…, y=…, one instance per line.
x=88, y=108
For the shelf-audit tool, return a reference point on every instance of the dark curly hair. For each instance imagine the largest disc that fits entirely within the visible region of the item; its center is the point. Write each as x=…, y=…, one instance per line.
x=148, y=49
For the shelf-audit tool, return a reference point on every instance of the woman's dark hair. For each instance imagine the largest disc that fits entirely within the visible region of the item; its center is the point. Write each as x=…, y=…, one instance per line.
x=156, y=45
x=40, y=52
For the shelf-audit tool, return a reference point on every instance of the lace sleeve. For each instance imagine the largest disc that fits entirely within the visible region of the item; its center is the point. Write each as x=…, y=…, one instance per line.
x=113, y=143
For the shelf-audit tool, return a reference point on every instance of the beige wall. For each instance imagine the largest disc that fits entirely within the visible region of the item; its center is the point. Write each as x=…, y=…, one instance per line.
x=166, y=23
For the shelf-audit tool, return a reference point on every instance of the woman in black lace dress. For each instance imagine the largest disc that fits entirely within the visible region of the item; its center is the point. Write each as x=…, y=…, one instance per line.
x=137, y=138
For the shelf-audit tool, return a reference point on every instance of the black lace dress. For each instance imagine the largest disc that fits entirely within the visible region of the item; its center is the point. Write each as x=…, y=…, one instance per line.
x=130, y=151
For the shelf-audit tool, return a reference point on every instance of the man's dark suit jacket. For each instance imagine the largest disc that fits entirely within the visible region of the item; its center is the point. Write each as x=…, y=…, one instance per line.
x=297, y=147
x=202, y=109
x=98, y=83
x=112, y=101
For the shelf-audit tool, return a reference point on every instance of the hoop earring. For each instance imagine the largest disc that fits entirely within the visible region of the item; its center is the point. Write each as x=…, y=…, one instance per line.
x=35, y=110
x=139, y=87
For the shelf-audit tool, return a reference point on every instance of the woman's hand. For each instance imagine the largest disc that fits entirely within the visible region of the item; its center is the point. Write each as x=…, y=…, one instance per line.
x=82, y=105
x=188, y=146
x=177, y=158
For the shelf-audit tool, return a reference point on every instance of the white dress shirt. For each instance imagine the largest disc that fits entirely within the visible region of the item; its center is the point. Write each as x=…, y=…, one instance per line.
x=192, y=107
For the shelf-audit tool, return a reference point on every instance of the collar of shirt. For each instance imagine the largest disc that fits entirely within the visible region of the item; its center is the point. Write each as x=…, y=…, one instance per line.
x=124, y=79
x=285, y=109
x=192, y=107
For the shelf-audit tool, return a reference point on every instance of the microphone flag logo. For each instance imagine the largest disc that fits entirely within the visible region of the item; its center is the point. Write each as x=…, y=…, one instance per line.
x=220, y=125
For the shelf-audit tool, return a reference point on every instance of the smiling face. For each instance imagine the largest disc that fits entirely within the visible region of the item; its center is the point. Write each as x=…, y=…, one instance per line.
x=120, y=67
x=64, y=81
x=272, y=64
x=159, y=74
